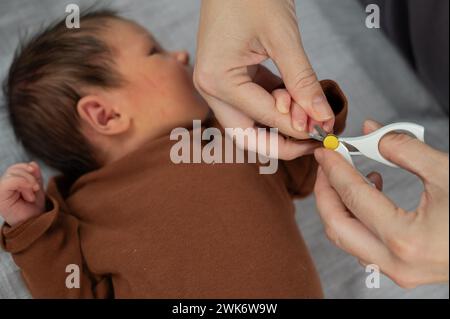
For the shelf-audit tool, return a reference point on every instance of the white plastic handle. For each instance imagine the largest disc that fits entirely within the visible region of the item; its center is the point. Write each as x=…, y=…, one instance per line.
x=345, y=153
x=368, y=145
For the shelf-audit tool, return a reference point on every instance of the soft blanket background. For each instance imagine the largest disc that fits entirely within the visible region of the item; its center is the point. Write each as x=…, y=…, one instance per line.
x=377, y=81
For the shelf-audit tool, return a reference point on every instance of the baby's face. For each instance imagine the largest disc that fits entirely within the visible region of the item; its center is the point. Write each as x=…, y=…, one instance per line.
x=159, y=94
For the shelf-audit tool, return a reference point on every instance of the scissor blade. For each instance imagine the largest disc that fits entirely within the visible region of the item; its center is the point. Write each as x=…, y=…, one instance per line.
x=351, y=148
x=316, y=137
x=321, y=131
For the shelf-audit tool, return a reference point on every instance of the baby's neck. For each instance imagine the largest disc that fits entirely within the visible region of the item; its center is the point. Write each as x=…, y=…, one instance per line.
x=121, y=148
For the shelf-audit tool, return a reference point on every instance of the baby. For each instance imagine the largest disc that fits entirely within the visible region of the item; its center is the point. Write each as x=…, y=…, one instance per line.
x=122, y=220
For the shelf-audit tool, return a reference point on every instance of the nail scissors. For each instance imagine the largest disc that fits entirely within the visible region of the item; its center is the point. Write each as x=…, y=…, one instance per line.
x=367, y=145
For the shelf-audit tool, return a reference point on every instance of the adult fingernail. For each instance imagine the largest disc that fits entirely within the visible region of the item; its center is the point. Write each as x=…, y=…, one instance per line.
x=321, y=108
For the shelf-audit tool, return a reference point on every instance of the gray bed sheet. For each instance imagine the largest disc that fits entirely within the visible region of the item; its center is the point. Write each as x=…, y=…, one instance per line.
x=377, y=81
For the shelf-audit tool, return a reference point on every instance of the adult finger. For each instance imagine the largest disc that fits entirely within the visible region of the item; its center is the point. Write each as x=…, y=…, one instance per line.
x=347, y=232
x=258, y=104
x=410, y=154
x=231, y=117
x=299, y=77
x=299, y=118
x=378, y=214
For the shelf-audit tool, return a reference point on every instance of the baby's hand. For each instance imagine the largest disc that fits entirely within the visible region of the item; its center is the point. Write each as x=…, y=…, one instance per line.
x=300, y=120
x=22, y=194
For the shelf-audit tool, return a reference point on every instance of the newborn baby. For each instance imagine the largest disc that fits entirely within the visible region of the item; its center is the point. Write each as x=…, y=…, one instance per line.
x=122, y=220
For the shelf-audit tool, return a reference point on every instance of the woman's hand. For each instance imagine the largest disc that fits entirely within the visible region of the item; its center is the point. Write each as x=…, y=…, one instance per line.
x=234, y=37
x=412, y=248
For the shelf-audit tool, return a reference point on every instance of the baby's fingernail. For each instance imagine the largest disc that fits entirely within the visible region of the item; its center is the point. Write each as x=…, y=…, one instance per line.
x=321, y=108
x=36, y=187
x=300, y=126
x=328, y=127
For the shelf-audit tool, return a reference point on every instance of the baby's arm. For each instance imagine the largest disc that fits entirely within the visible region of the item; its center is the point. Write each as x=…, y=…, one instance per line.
x=43, y=240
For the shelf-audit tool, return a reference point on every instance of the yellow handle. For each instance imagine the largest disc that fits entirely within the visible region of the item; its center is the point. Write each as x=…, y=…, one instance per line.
x=331, y=142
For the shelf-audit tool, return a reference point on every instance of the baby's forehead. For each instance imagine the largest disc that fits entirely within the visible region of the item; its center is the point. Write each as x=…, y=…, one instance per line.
x=123, y=32
x=130, y=27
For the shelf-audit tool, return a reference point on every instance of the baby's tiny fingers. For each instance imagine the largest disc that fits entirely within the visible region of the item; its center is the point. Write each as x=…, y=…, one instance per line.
x=282, y=100
x=14, y=183
x=328, y=126
x=31, y=167
x=299, y=118
x=15, y=167
x=27, y=194
x=20, y=173
x=36, y=171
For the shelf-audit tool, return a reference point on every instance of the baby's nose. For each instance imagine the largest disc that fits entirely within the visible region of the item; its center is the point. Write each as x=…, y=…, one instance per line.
x=181, y=56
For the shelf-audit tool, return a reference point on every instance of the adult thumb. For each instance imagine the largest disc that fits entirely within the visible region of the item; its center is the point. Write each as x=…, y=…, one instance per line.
x=408, y=153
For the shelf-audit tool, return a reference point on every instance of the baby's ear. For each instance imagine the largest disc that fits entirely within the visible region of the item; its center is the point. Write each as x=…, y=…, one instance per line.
x=102, y=116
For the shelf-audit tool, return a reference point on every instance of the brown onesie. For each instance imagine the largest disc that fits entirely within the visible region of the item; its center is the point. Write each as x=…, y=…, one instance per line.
x=144, y=227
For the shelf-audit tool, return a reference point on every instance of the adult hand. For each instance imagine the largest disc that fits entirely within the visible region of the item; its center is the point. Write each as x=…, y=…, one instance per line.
x=412, y=248
x=234, y=37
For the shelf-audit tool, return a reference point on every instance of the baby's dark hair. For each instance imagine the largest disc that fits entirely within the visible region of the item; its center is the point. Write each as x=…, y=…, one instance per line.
x=45, y=82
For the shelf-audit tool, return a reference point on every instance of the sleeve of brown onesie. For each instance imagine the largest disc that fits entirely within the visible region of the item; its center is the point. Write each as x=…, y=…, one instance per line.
x=303, y=170
x=47, y=250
